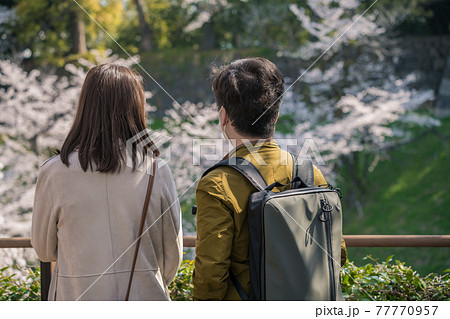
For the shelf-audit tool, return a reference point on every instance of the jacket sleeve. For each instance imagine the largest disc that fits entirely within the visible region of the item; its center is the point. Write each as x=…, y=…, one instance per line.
x=44, y=219
x=172, y=230
x=215, y=229
x=320, y=180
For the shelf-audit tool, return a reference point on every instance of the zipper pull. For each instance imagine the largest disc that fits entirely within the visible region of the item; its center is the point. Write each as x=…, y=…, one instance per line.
x=326, y=210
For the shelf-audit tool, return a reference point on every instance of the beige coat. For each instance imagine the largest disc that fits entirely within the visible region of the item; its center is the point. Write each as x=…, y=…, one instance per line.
x=87, y=223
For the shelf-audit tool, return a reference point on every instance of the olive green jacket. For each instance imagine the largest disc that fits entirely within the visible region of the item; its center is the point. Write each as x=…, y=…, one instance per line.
x=222, y=228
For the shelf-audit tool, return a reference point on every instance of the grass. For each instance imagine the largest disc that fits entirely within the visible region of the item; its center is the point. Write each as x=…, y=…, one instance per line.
x=408, y=194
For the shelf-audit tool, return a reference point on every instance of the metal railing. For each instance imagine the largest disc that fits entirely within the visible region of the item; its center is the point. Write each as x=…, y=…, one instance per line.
x=189, y=241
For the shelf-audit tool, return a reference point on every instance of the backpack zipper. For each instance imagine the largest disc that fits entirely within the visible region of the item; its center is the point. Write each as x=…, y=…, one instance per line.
x=309, y=190
x=326, y=218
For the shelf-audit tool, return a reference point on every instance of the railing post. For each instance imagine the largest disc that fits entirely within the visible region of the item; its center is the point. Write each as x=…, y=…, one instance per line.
x=46, y=277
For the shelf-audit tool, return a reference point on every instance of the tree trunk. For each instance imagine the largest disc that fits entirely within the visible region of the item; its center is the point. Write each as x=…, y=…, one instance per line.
x=77, y=32
x=144, y=27
x=208, y=42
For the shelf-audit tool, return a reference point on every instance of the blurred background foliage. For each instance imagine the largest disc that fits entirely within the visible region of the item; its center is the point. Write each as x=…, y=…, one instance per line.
x=56, y=29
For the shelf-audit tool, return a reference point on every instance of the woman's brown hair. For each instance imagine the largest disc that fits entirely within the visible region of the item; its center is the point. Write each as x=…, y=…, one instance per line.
x=110, y=111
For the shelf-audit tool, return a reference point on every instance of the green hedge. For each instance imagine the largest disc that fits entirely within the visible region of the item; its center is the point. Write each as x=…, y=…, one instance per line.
x=14, y=289
x=392, y=281
x=374, y=281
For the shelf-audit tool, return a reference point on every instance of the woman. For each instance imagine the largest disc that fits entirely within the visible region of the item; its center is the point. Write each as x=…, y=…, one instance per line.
x=89, y=199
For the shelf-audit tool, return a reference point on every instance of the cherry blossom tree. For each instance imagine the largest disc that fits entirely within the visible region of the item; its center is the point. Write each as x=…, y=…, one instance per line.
x=355, y=102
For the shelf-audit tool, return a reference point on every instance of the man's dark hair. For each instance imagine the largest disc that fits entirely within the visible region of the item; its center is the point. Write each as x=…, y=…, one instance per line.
x=248, y=88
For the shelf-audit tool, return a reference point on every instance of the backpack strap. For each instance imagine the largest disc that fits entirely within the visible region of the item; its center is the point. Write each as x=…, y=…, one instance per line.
x=246, y=168
x=253, y=175
x=303, y=168
x=238, y=287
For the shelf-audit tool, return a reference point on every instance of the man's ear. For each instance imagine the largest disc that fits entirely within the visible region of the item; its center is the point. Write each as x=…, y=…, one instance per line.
x=223, y=116
x=277, y=117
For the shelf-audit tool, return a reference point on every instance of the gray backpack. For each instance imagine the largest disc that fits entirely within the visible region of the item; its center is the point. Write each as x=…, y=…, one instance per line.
x=295, y=236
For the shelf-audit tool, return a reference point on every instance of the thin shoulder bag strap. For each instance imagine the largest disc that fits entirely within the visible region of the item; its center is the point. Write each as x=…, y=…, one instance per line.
x=151, y=179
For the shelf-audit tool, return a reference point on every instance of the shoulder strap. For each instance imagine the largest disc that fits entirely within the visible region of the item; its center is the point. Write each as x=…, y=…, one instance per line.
x=253, y=175
x=303, y=168
x=238, y=287
x=148, y=195
x=246, y=168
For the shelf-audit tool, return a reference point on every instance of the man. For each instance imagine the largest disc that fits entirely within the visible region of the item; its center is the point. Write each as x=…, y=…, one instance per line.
x=248, y=93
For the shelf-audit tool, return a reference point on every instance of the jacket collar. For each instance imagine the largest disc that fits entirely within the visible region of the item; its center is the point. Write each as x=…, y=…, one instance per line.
x=249, y=147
